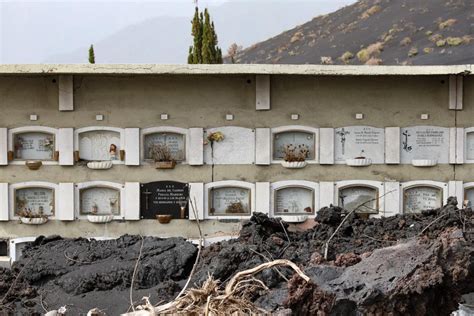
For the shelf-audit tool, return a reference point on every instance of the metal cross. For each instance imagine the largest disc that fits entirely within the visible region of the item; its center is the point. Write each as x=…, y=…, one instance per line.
x=343, y=134
x=147, y=193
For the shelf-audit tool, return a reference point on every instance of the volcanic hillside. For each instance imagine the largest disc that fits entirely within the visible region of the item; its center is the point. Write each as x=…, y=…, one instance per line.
x=375, y=32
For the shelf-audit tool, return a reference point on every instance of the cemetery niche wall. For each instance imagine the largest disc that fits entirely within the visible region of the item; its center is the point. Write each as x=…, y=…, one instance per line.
x=359, y=145
x=99, y=144
x=164, y=198
x=424, y=145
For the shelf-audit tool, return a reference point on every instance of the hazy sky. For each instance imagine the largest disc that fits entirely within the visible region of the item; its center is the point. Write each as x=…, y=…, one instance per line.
x=31, y=31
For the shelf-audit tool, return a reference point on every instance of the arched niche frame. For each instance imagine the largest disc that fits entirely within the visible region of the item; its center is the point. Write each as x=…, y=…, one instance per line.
x=468, y=195
x=292, y=133
x=170, y=130
x=105, y=191
x=16, y=246
x=35, y=134
x=359, y=192
x=294, y=200
x=469, y=145
x=34, y=193
x=100, y=137
x=416, y=196
x=219, y=199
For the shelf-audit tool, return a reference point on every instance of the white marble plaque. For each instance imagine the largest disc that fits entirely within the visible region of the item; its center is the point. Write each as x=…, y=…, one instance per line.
x=174, y=141
x=417, y=199
x=35, y=200
x=34, y=146
x=470, y=146
x=294, y=200
x=100, y=200
x=359, y=141
x=95, y=145
x=295, y=138
x=229, y=201
x=424, y=142
x=365, y=198
x=238, y=146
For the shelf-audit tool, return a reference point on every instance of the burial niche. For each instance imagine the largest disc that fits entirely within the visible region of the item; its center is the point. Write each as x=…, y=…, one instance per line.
x=164, y=198
x=421, y=143
x=229, y=201
x=99, y=145
x=356, y=142
x=293, y=139
x=419, y=198
x=99, y=200
x=34, y=201
x=33, y=146
x=469, y=197
x=294, y=201
x=470, y=146
x=364, y=198
x=173, y=142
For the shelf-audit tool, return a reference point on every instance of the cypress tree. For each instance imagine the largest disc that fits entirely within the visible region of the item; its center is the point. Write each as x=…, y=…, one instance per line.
x=204, y=49
x=91, y=55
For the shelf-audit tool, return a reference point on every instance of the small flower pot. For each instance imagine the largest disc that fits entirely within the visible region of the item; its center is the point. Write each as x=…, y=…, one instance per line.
x=424, y=162
x=100, y=165
x=100, y=219
x=33, y=165
x=294, y=164
x=33, y=221
x=163, y=219
x=165, y=164
x=359, y=162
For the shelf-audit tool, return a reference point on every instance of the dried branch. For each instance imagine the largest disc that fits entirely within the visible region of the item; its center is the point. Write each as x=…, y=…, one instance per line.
x=280, y=262
x=326, y=244
x=434, y=221
x=135, y=273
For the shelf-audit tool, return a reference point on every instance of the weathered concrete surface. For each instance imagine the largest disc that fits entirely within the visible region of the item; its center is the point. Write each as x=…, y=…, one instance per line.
x=85, y=229
x=230, y=69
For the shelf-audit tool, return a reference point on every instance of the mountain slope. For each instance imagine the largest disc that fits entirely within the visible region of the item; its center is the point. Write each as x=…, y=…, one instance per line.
x=376, y=32
x=166, y=39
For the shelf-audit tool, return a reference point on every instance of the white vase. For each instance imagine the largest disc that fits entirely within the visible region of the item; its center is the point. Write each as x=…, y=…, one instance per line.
x=100, y=165
x=359, y=162
x=294, y=164
x=100, y=218
x=424, y=162
x=33, y=221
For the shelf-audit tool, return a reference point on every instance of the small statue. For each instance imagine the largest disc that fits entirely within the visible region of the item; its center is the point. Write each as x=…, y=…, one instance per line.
x=95, y=209
x=113, y=152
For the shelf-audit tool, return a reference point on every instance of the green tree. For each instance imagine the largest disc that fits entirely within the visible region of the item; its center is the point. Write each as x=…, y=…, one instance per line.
x=204, y=49
x=91, y=55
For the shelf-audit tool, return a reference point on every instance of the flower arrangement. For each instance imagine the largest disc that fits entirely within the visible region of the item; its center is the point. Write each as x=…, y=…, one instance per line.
x=48, y=143
x=215, y=137
x=27, y=213
x=161, y=152
x=235, y=208
x=294, y=153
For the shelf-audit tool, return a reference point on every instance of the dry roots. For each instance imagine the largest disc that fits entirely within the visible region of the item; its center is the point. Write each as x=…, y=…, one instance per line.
x=235, y=299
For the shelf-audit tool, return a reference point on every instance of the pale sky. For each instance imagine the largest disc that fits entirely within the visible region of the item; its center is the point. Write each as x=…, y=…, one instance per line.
x=33, y=31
